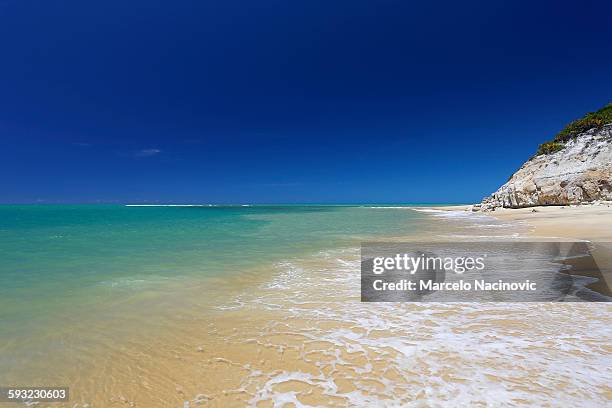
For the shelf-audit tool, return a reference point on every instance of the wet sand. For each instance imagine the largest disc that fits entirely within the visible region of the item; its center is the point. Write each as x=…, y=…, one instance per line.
x=304, y=339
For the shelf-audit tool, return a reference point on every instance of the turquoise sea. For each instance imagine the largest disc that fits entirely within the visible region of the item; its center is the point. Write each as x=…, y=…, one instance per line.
x=69, y=272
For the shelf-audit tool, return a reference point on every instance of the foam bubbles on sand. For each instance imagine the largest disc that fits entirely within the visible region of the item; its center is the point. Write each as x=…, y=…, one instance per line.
x=302, y=337
x=338, y=351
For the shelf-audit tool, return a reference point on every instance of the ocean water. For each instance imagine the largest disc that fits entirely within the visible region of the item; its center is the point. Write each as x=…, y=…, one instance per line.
x=65, y=266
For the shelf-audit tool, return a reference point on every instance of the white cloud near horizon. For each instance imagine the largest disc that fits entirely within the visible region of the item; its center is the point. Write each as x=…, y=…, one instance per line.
x=147, y=152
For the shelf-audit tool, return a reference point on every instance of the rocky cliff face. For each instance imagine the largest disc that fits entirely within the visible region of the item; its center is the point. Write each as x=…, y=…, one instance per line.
x=580, y=173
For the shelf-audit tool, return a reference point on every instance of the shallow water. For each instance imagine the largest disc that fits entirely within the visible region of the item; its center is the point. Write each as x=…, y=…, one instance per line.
x=247, y=306
x=114, y=266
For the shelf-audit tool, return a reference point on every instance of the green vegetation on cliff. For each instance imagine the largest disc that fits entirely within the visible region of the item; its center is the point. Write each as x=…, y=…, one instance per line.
x=589, y=121
x=550, y=147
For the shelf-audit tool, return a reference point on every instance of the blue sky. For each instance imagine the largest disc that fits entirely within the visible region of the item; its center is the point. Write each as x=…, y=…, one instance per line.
x=288, y=102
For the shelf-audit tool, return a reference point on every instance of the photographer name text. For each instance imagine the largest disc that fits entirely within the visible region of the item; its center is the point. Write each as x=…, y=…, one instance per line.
x=456, y=286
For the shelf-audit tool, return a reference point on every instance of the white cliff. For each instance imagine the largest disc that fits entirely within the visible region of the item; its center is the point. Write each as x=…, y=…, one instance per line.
x=579, y=173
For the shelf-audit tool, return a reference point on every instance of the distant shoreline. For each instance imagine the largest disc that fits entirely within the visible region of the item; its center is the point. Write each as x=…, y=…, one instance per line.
x=588, y=222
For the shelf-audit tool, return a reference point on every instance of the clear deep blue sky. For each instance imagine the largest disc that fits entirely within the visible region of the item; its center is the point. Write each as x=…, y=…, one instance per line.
x=288, y=101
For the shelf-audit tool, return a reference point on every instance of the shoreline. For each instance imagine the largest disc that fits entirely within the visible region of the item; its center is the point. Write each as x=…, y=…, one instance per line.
x=591, y=223
x=279, y=335
x=585, y=222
